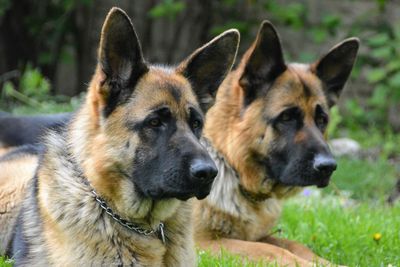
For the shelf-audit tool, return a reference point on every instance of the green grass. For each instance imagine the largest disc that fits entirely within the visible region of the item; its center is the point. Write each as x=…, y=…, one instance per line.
x=385, y=139
x=342, y=231
x=5, y=263
x=363, y=179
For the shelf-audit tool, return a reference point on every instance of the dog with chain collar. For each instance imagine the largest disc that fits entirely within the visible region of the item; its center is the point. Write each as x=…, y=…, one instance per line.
x=111, y=187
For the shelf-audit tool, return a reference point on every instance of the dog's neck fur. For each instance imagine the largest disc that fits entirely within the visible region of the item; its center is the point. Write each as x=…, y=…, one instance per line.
x=226, y=212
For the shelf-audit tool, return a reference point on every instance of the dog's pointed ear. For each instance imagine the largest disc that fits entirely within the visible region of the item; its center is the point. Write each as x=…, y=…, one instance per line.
x=120, y=58
x=208, y=66
x=335, y=67
x=263, y=64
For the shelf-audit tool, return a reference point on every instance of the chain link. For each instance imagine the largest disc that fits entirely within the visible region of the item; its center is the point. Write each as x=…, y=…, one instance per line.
x=127, y=224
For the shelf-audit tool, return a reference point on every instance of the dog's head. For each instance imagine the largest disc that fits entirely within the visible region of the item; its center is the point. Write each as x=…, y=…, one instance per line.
x=282, y=113
x=146, y=121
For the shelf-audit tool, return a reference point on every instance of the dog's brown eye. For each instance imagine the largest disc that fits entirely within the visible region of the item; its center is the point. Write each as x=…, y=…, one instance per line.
x=286, y=116
x=321, y=120
x=290, y=117
x=156, y=122
x=196, y=124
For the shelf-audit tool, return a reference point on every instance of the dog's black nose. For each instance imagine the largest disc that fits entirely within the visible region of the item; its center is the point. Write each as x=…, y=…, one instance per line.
x=204, y=171
x=324, y=164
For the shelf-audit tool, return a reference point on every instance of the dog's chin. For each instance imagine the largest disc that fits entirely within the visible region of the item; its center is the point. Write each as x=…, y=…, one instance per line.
x=319, y=182
x=180, y=195
x=323, y=182
x=199, y=194
x=202, y=195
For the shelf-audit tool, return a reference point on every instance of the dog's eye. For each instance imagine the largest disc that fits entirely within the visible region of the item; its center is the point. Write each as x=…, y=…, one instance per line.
x=321, y=120
x=196, y=124
x=155, y=122
x=289, y=115
x=286, y=116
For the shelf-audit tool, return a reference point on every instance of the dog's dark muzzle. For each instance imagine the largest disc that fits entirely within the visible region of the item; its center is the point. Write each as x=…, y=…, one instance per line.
x=202, y=174
x=316, y=171
x=197, y=183
x=324, y=166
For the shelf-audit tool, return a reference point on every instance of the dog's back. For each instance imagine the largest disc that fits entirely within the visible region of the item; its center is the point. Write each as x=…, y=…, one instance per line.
x=23, y=130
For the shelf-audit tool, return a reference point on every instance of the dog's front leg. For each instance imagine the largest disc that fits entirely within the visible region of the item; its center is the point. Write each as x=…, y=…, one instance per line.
x=297, y=249
x=254, y=251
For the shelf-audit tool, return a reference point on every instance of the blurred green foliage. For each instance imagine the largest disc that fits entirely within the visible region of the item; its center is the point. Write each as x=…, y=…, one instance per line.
x=293, y=15
x=4, y=5
x=384, y=73
x=33, y=95
x=167, y=8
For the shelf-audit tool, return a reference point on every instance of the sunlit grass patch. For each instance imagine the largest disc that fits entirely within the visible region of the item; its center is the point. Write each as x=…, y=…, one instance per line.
x=345, y=232
x=5, y=262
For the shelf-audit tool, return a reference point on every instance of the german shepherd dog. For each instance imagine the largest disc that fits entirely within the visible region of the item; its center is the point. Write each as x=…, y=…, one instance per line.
x=111, y=189
x=267, y=135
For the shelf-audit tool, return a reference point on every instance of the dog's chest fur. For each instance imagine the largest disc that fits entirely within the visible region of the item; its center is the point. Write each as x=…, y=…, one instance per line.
x=227, y=213
x=62, y=225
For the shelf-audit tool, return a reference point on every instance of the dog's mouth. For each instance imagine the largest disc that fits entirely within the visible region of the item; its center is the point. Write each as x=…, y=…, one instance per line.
x=198, y=191
x=184, y=196
x=294, y=178
x=323, y=182
x=320, y=181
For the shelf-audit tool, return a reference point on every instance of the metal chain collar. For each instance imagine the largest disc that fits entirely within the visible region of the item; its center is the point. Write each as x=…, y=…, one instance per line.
x=127, y=224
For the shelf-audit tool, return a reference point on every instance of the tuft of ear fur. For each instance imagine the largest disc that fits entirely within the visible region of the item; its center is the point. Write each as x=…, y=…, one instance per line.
x=335, y=67
x=208, y=66
x=264, y=63
x=120, y=59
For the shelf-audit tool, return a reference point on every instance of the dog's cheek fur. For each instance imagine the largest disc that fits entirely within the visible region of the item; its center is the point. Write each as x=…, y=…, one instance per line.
x=111, y=157
x=250, y=144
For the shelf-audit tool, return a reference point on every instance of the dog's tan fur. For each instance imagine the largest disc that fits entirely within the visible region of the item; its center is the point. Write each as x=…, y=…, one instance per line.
x=226, y=218
x=14, y=176
x=5, y=150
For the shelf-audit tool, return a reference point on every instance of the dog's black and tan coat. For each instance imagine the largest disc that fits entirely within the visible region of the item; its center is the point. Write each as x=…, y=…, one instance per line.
x=266, y=133
x=135, y=144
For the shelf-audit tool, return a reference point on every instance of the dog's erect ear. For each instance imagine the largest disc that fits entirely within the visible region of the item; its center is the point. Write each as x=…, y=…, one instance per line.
x=120, y=58
x=208, y=66
x=335, y=67
x=264, y=63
